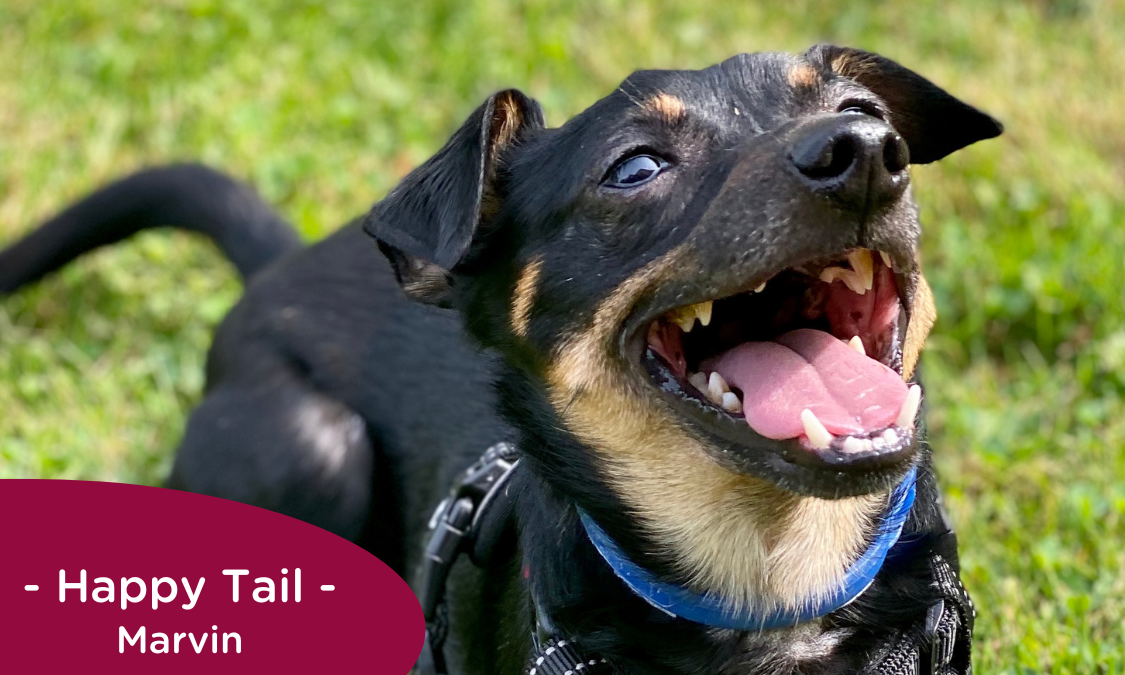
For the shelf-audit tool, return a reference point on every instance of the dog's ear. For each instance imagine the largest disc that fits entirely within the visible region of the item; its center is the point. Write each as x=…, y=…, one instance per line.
x=427, y=224
x=932, y=122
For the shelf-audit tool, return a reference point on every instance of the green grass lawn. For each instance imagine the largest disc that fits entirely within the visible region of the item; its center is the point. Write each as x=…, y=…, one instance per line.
x=324, y=109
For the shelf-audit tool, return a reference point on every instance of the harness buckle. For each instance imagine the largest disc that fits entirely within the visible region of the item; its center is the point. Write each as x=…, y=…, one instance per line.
x=454, y=527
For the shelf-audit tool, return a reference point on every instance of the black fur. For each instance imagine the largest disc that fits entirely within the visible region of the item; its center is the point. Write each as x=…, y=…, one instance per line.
x=335, y=397
x=191, y=197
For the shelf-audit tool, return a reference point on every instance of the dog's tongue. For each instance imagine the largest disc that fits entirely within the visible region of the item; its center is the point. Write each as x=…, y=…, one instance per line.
x=847, y=391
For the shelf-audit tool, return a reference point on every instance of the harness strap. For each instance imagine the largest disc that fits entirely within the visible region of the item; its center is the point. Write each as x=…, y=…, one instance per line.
x=562, y=657
x=462, y=520
x=944, y=646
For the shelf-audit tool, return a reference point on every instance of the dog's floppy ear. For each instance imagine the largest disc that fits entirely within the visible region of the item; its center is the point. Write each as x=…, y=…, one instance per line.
x=932, y=122
x=426, y=225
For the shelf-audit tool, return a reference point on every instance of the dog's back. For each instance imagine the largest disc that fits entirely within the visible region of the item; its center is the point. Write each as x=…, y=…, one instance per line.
x=338, y=386
x=318, y=375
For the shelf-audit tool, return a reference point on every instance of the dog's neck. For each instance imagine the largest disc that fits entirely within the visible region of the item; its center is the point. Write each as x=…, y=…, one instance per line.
x=580, y=595
x=711, y=610
x=715, y=531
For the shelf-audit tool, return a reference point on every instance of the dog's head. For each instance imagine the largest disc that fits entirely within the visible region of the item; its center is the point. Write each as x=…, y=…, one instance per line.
x=711, y=279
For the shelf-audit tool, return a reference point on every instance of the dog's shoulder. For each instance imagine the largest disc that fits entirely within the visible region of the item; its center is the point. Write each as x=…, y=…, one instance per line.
x=335, y=312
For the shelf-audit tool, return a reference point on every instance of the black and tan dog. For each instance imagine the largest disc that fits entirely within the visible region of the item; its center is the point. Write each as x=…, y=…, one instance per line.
x=696, y=309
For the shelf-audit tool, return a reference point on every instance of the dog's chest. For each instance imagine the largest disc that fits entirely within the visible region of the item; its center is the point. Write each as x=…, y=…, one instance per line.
x=808, y=648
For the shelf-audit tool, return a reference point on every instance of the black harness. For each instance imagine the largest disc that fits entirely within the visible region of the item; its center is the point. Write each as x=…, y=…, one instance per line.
x=477, y=512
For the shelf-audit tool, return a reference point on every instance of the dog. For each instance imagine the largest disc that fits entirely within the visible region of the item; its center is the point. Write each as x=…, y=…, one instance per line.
x=695, y=309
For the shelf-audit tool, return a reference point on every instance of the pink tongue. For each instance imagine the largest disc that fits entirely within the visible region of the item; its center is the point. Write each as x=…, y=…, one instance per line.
x=849, y=393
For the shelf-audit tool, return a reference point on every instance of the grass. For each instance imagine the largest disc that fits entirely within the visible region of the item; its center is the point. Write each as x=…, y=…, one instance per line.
x=323, y=108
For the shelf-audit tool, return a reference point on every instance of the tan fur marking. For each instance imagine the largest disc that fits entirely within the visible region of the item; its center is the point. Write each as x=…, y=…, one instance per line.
x=669, y=107
x=922, y=316
x=731, y=533
x=505, y=122
x=524, y=295
x=851, y=64
x=840, y=64
x=803, y=75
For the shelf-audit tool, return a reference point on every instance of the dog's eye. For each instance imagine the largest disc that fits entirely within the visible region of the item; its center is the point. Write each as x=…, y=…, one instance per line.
x=634, y=171
x=860, y=108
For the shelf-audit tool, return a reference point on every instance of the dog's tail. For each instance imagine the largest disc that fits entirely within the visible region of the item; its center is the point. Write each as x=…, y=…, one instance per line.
x=186, y=196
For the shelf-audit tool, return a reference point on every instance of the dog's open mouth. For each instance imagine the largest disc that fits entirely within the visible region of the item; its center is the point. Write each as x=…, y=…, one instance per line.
x=812, y=354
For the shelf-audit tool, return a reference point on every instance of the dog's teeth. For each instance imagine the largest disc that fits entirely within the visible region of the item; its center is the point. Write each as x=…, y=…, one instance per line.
x=855, y=282
x=684, y=320
x=830, y=274
x=685, y=317
x=886, y=259
x=851, y=278
x=699, y=381
x=868, y=446
x=864, y=266
x=890, y=436
x=761, y=287
x=819, y=437
x=731, y=403
x=879, y=443
x=716, y=387
x=852, y=444
x=681, y=318
x=857, y=344
x=909, y=408
x=703, y=311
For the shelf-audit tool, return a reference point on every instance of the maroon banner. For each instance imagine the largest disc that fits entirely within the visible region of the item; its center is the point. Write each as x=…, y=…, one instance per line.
x=97, y=576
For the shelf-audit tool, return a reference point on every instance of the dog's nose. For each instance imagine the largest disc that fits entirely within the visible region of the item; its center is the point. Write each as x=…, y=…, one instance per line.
x=859, y=159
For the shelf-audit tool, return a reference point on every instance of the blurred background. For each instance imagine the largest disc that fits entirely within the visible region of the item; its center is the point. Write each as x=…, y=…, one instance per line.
x=323, y=108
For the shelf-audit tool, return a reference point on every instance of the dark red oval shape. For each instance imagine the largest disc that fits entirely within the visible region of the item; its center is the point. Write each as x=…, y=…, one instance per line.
x=370, y=621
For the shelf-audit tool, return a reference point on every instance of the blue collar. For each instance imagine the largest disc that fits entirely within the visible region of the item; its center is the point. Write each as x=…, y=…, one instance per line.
x=709, y=610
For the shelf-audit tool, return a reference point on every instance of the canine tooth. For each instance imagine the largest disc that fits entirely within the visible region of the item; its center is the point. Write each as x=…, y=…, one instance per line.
x=819, y=437
x=684, y=320
x=852, y=444
x=731, y=403
x=890, y=436
x=855, y=282
x=851, y=278
x=909, y=407
x=886, y=259
x=830, y=274
x=864, y=266
x=857, y=344
x=699, y=381
x=716, y=387
x=761, y=287
x=685, y=317
x=703, y=311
